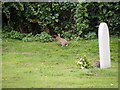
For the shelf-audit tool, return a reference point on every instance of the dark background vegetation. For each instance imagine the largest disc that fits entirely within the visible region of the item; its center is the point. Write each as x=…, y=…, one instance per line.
x=31, y=21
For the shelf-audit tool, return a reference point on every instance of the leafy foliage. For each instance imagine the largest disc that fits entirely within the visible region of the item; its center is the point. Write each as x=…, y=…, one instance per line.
x=88, y=18
x=68, y=35
x=29, y=37
x=43, y=37
x=73, y=20
x=90, y=35
x=13, y=34
x=38, y=17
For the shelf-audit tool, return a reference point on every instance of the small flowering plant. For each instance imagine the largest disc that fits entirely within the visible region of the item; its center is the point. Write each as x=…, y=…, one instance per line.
x=83, y=63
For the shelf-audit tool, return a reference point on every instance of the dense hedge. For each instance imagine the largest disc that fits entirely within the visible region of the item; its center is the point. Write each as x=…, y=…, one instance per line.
x=38, y=17
x=90, y=15
x=72, y=20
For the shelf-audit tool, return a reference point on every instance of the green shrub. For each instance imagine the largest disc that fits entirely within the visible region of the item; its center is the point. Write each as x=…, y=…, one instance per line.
x=68, y=35
x=90, y=15
x=29, y=37
x=16, y=35
x=38, y=17
x=5, y=34
x=43, y=37
x=13, y=34
x=90, y=35
x=73, y=20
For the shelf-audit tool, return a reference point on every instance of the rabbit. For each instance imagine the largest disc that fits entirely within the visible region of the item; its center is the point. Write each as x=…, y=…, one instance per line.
x=97, y=63
x=62, y=41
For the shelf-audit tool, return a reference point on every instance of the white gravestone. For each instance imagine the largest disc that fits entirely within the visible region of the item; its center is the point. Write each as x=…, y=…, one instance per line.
x=104, y=47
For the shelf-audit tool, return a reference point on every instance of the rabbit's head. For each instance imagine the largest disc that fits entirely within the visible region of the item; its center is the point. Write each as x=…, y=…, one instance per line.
x=58, y=34
x=58, y=37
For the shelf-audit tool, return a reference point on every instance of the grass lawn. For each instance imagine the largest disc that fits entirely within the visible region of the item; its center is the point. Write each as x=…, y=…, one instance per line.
x=48, y=65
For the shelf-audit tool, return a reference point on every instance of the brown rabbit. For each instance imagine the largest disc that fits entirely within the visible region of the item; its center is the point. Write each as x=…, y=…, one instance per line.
x=97, y=63
x=62, y=41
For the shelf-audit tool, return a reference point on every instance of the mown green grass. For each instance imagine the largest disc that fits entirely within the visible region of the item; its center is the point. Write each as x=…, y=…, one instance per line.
x=48, y=65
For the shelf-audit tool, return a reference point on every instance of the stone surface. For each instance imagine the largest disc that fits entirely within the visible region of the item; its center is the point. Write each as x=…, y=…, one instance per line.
x=104, y=47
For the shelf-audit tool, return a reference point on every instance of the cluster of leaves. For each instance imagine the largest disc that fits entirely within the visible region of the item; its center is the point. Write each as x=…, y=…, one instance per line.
x=90, y=15
x=13, y=35
x=72, y=20
x=68, y=35
x=83, y=63
x=42, y=37
x=90, y=35
x=51, y=17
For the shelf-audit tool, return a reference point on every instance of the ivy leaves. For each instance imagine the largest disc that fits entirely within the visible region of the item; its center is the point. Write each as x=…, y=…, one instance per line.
x=56, y=17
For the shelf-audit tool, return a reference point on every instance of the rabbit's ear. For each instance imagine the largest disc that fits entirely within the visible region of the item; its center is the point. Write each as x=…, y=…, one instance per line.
x=59, y=34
